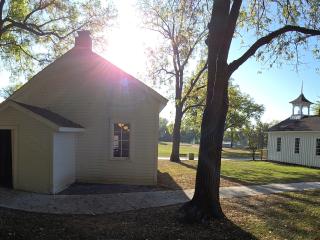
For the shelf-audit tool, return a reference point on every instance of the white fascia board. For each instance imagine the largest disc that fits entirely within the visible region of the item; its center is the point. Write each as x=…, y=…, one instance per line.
x=71, y=130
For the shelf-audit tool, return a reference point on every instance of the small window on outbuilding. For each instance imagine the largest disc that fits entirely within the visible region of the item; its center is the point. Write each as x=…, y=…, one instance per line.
x=121, y=140
x=318, y=147
x=278, y=144
x=297, y=145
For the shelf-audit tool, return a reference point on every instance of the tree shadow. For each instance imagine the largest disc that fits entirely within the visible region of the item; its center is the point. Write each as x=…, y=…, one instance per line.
x=235, y=180
x=187, y=165
x=166, y=182
x=288, y=215
x=230, y=179
x=289, y=164
x=223, y=229
x=152, y=223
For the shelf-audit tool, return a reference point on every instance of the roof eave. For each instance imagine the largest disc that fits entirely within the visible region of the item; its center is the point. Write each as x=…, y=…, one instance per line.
x=70, y=129
x=45, y=121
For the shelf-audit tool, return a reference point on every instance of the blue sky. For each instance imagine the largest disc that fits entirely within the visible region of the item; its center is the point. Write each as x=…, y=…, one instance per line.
x=273, y=88
x=276, y=87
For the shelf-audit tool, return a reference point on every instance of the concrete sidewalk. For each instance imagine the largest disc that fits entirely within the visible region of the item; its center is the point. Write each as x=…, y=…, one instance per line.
x=196, y=159
x=120, y=202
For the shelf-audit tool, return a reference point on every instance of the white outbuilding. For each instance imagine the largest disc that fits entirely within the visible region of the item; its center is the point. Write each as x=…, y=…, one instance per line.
x=296, y=140
x=79, y=119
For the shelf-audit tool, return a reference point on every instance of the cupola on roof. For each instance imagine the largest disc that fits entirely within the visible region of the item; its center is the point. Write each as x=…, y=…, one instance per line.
x=301, y=102
x=301, y=99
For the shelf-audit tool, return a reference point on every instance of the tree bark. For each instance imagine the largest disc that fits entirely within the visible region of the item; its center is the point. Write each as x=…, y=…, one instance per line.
x=175, y=153
x=253, y=155
x=231, y=139
x=205, y=204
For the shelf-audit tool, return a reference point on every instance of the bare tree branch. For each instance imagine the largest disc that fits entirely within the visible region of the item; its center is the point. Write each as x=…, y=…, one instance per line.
x=266, y=40
x=36, y=30
x=194, y=82
x=39, y=8
x=201, y=104
x=191, y=49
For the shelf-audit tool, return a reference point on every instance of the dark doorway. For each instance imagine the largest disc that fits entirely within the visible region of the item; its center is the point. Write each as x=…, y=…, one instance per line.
x=5, y=158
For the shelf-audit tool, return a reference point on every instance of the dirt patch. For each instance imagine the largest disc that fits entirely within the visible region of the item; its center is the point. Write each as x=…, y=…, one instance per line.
x=186, y=181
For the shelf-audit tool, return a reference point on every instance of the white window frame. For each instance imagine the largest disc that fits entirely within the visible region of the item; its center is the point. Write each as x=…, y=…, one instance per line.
x=112, y=122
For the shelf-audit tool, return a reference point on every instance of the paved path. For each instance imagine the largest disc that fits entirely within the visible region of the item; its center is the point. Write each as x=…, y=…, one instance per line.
x=120, y=202
x=196, y=158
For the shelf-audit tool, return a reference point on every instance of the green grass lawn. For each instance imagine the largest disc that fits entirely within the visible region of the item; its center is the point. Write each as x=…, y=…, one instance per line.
x=262, y=172
x=182, y=175
x=164, y=150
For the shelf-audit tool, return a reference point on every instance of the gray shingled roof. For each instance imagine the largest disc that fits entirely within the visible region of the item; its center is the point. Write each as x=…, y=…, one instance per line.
x=50, y=116
x=306, y=123
x=301, y=99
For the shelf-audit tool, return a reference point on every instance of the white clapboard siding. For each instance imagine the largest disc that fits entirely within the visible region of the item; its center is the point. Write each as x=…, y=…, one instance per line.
x=92, y=92
x=63, y=165
x=307, y=155
x=32, y=146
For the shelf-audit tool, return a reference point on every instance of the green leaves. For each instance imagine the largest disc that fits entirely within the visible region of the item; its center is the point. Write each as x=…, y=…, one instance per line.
x=242, y=109
x=260, y=17
x=33, y=33
x=316, y=108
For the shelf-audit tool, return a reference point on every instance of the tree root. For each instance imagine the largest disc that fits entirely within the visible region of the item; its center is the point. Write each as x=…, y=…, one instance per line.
x=174, y=158
x=192, y=212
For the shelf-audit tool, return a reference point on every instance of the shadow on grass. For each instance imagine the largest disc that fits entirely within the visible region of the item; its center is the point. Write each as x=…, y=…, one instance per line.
x=235, y=180
x=289, y=215
x=230, y=179
x=166, y=181
x=187, y=165
x=289, y=164
x=153, y=223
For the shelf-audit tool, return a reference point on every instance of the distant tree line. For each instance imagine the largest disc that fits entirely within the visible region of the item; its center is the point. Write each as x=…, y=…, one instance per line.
x=243, y=110
x=188, y=134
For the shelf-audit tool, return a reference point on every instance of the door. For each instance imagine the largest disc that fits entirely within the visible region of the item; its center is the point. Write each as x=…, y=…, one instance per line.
x=5, y=158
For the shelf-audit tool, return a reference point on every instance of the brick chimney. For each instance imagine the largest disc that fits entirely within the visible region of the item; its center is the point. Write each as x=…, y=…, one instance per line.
x=83, y=40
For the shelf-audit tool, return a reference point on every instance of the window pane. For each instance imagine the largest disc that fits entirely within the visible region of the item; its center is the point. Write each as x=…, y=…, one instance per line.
x=117, y=127
x=125, y=136
x=278, y=144
x=297, y=145
x=116, y=152
x=116, y=142
x=125, y=152
x=121, y=139
x=318, y=147
x=125, y=144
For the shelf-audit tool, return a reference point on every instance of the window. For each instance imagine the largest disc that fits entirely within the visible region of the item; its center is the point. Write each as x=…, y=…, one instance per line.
x=278, y=144
x=121, y=133
x=318, y=147
x=297, y=145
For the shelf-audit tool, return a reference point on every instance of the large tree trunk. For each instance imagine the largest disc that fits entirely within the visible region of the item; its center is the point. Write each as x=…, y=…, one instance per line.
x=205, y=204
x=175, y=153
